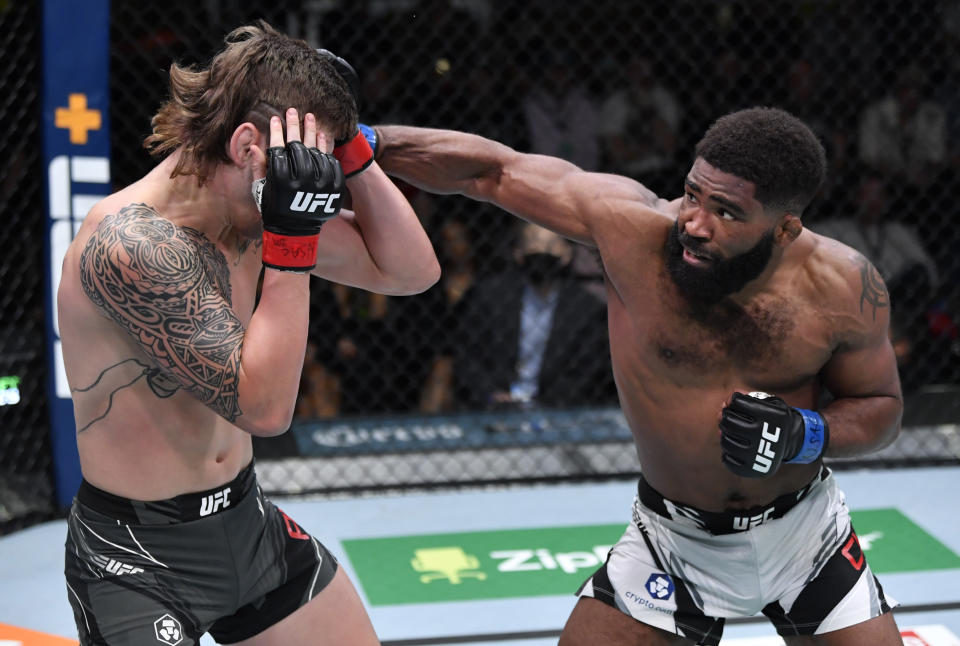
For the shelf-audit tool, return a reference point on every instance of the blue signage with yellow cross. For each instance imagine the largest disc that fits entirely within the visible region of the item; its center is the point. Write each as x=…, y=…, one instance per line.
x=76, y=149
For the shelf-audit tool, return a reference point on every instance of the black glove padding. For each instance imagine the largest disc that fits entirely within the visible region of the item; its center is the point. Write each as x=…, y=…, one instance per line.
x=759, y=432
x=303, y=189
x=346, y=72
x=355, y=152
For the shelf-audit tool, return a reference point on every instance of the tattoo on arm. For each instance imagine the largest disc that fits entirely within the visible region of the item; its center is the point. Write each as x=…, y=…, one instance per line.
x=161, y=385
x=169, y=287
x=874, y=292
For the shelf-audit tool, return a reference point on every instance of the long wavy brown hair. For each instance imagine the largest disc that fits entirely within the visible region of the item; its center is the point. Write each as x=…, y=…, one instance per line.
x=261, y=72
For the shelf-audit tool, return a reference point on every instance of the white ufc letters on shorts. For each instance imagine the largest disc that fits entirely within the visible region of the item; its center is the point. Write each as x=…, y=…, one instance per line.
x=214, y=502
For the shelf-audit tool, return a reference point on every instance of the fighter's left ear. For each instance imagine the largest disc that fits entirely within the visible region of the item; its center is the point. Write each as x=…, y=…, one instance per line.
x=789, y=229
x=245, y=147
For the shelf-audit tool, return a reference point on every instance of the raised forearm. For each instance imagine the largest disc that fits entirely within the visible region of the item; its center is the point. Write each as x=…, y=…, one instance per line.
x=272, y=353
x=860, y=425
x=438, y=161
x=393, y=235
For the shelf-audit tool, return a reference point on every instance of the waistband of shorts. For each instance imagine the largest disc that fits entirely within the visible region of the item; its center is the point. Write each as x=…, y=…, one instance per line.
x=182, y=508
x=731, y=521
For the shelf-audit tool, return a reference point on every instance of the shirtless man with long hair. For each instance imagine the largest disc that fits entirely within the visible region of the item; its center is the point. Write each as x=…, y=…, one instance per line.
x=176, y=360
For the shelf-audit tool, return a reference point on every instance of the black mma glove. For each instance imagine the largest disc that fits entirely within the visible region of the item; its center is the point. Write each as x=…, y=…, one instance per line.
x=303, y=189
x=759, y=432
x=357, y=154
x=356, y=151
x=346, y=72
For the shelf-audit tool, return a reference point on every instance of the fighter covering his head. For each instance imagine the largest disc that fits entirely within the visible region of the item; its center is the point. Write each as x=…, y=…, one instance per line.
x=176, y=359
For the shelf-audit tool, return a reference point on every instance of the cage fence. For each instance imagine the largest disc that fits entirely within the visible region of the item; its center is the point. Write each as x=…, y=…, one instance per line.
x=422, y=391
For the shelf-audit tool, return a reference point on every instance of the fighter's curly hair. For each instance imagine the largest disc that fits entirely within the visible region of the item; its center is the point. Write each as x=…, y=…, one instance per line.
x=773, y=149
x=260, y=73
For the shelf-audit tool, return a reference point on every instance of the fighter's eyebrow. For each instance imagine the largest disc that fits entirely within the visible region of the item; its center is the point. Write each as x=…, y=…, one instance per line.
x=716, y=198
x=728, y=204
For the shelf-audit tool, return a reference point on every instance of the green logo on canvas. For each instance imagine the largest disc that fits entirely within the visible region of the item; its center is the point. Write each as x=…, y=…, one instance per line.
x=553, y=561
x=894, y=543
x=479, y=565
x=450, y=563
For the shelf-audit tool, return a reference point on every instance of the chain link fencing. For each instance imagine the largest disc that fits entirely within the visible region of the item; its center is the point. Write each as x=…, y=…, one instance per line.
x=26, y=489
x=423, y=391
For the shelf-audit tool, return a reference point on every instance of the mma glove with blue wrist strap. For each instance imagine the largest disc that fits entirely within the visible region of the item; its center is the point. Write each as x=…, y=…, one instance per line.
x=759, y=432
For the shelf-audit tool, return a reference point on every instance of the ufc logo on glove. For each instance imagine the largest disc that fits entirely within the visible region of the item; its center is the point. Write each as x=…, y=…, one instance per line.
x=309, y=202
x=751, y=450
x=765, y=451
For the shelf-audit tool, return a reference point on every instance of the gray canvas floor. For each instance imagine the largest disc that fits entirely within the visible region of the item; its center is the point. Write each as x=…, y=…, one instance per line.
x=32, y=593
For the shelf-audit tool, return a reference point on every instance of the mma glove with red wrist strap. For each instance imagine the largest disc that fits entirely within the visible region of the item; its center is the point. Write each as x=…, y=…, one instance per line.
x=303, y=189
x=356, y=151
x=759, y=432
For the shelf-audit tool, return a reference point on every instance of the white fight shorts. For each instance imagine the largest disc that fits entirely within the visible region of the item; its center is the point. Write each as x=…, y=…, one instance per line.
x=796, y=560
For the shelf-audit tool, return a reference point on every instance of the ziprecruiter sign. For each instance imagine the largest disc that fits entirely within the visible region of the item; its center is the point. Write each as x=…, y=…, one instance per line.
x=551, y=561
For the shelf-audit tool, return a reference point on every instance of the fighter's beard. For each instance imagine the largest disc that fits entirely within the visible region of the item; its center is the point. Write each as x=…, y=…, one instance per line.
x=705, y=287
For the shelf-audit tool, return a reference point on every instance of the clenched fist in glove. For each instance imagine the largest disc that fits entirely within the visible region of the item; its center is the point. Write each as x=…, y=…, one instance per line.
x=356, y=151
x=759, y=432
x=303, y=189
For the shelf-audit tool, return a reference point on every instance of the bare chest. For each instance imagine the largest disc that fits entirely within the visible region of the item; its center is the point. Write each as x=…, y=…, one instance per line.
x=770, y=344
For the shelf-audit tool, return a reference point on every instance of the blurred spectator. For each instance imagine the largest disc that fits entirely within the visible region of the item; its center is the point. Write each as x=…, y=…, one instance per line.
x=530, y=335
x=640, y=124
x=319, y=395
x=385, y=350
x=455, y=251
x=894, y=247
x=904, y=133
x=560, y=114
x=904, y=263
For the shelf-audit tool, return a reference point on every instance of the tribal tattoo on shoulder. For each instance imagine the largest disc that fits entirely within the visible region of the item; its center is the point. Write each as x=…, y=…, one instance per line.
x=169, y=287
x=874, y=291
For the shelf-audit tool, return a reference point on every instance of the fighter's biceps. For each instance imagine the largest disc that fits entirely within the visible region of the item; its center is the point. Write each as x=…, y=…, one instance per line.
x=868, y=371
x=204, y=358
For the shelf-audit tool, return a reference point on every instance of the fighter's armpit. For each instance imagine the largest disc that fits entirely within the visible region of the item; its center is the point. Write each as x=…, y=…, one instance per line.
x=873, y=291
x=169, y=287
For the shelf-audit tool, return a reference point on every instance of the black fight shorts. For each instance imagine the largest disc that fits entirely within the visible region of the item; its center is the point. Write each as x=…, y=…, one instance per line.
x=224, y=561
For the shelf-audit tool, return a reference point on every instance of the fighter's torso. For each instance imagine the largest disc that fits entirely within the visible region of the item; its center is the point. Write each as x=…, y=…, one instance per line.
x=675, y=369
x=140, y=433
